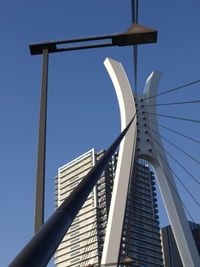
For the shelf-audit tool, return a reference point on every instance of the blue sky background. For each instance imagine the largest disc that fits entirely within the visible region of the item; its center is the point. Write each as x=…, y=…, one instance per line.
x=82, y=106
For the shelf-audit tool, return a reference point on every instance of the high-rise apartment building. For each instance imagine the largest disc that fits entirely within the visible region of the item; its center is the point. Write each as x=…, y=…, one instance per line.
x=171, y=255
x=141, y=237
x=83, y=243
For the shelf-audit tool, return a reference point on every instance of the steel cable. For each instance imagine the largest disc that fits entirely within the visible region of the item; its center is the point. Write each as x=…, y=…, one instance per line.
x=195, y=179
x=176, y=132
x=172, y=186
x=172, y=117
x=174, y=89
x=173, y=103
x=171, y=143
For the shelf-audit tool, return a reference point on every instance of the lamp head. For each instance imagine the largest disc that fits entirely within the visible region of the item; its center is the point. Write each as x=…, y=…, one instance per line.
x=136, y=34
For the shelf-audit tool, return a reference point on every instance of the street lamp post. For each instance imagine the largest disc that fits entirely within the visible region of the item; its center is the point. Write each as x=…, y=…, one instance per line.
x=40, y=181
x=135, y=35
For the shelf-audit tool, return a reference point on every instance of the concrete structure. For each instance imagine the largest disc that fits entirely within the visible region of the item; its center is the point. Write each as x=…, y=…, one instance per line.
x=170, y=251
x=140, y=142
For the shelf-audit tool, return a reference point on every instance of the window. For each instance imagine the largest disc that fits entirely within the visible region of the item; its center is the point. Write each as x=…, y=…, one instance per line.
x=75, y=246
x=75, y=233
x=74, y=184
x=74, y=226
x=142, y=257
x=75, y=260
x=73, y=178
x=74, y=240
x=75, y=253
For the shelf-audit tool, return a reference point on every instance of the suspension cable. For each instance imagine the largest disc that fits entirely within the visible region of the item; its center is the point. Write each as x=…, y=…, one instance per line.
x=174, y=89
x=172, y=186
x=174, y=172
x=188, y=191
x=177, y=147
x=172, y=117
x=176, y=132
x=167, y=152
x=173, y=103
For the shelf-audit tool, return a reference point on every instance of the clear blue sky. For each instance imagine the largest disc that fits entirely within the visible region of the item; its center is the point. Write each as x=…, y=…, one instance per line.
x=82, y=106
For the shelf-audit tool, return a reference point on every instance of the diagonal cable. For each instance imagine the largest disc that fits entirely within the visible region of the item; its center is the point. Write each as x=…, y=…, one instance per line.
x=167, y=152
x=177, y=147
x=172, y=117
x=174, y=89
x=176, y=132
x=188, y=191
x=172, y=186
x=173, y=103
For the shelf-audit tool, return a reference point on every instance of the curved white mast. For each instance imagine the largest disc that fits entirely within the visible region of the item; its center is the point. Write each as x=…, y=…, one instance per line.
x=126, y=152
x=152, y=151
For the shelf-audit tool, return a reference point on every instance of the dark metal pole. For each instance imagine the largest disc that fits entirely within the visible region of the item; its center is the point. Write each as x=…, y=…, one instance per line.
x=43, y=245
x=40, y=179
x=134, y=12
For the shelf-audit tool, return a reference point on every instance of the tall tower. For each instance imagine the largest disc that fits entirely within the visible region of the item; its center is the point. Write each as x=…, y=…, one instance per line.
x=139, y=143
x=84, y=241
x=82, y=245
x=141, y=233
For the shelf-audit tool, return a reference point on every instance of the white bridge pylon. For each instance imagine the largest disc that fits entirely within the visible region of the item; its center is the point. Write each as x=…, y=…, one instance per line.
x=138, y=143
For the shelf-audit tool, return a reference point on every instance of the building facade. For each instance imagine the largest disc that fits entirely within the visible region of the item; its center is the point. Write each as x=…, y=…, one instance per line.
x=83, y=243
x=141, y=232
x=171, y=255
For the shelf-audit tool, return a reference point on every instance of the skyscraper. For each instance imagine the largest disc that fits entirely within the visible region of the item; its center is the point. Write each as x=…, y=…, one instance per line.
x=141, y=237
x=170, y=251
x=83, y=244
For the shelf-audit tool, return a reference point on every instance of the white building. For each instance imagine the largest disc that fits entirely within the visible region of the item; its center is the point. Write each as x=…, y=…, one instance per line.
x=83, y=243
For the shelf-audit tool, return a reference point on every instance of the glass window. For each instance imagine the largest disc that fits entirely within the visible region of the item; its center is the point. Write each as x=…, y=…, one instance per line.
x=75, y=260
x=75, y=253
x=74, y=240
x=75, y=233
x=74, y=247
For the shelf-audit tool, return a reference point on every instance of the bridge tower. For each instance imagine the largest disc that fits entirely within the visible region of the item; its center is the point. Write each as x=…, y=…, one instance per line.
x=139, y=143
